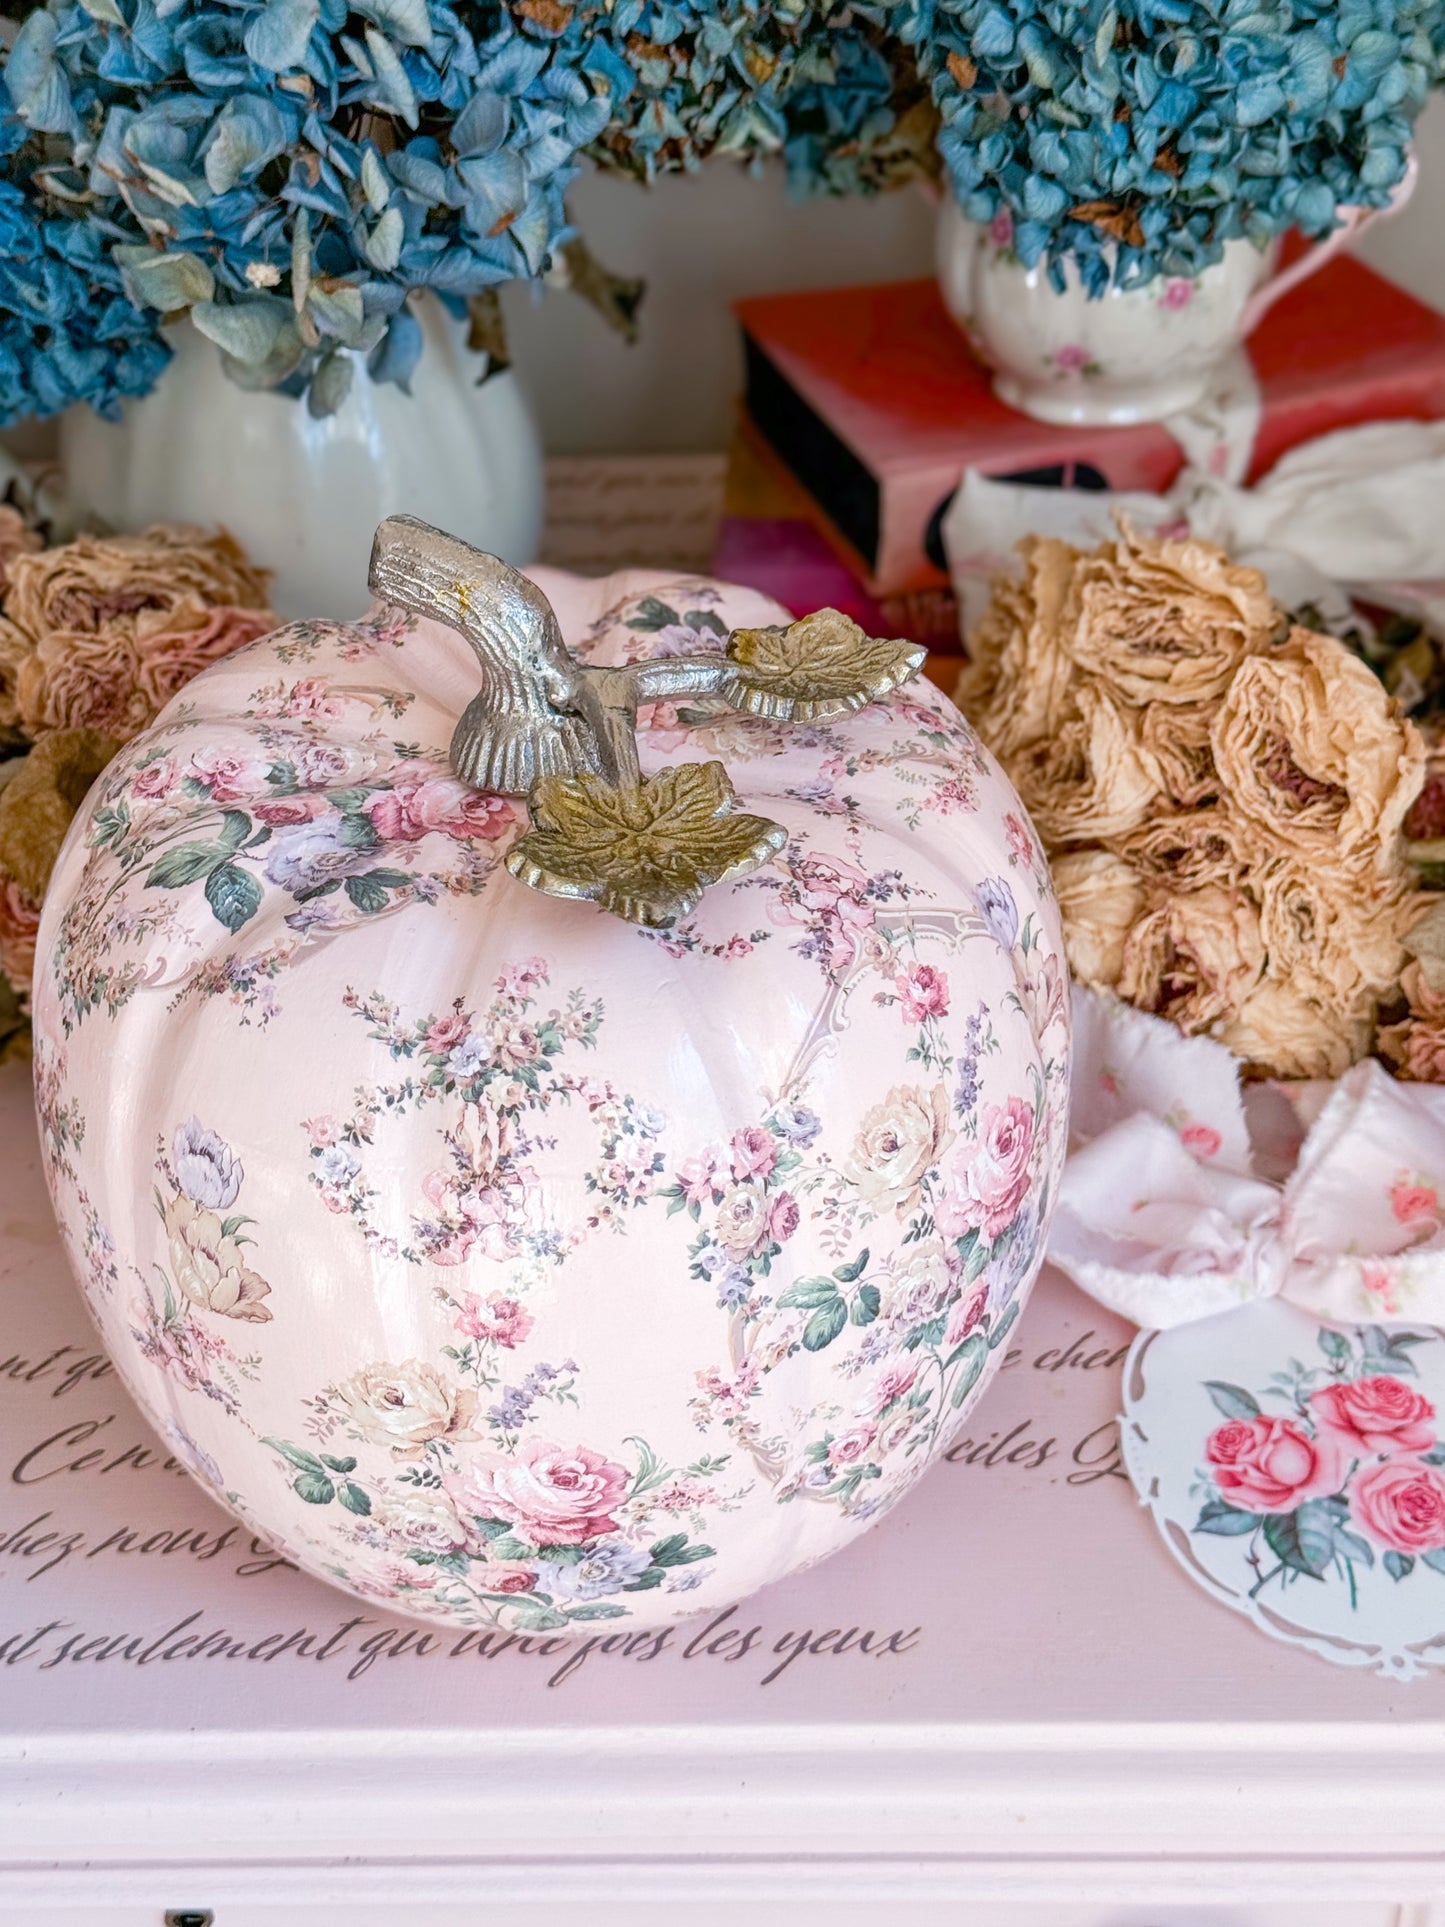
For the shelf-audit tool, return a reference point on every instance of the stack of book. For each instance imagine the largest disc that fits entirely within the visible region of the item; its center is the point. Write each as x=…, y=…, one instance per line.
x=863, y=406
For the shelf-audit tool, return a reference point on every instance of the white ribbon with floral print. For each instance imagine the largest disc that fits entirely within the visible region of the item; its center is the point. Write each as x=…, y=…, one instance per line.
x=1185, y=1195
x=1353, y=513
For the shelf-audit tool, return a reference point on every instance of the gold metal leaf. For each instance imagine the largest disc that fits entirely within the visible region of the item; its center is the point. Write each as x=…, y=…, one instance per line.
x=646, y=853
x=823, y=666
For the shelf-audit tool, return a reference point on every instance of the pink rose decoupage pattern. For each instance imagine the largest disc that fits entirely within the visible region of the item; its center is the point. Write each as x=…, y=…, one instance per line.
x=1307, y=1488
x=492, y=1257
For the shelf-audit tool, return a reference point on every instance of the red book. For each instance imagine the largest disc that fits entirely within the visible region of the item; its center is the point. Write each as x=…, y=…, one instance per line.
x=873, y=402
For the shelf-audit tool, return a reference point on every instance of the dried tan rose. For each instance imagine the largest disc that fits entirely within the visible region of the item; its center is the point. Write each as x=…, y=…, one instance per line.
x=1222, y=808
x=1017, y=686
x=15, y=648
x=1335, y=950
x=1338, y=940
x=172, y=648
x=85, y=585
x=1414, y=1050
x=1168, y=621
x=16, y=538
x=1189, y=848
x=1090, y=778
x=1280, y=1029
x=1415, y=1047
x=1310, y=747
x=100, y=633
x=1100, y=897
x=1178, y=737
x=1009, y=613
x=19, y=927
x=42, y=793
x=1193, y=956
x=77, y=680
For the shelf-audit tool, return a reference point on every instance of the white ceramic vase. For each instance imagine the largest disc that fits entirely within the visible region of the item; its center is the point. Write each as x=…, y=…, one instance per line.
x=303, y=495
x=1133, y=354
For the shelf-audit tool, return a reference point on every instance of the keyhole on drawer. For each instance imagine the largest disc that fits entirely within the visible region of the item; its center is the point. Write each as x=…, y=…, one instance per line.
x=190, y=1917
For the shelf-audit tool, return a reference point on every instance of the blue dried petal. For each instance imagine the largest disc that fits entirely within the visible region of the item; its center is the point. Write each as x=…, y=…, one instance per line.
x=318, y=189
x=405, y=22
x=279, y=35
x=417, y=169
x=36, y=84
x=212, y=53
x=994, y=38
x=481, y=127
x=491, y=191
x=396, y=355
x=248, y=132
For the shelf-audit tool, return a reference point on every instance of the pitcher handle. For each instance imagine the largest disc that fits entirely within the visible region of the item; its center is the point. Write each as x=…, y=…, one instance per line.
x=1355, y=221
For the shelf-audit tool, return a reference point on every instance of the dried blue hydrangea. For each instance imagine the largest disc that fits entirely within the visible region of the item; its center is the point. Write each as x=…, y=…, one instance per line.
x=818, y=83
x=67, y=331
x=288, y=171
x=1137, y=137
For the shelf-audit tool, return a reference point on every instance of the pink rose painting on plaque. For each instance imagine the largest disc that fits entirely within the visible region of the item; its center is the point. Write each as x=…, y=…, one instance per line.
x=1349, y=1470
x=1308, y=1490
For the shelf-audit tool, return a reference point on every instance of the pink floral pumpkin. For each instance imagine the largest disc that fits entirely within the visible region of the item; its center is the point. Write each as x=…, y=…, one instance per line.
x=496, y=1258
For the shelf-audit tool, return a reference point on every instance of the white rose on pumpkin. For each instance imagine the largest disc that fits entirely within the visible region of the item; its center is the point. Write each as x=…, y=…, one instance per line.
x=898, y=1142
x=421, y=1519
x=919, y=1286
x=742, y=1218
x=896, y=1430
x=405, y=1406
x=209, y=1268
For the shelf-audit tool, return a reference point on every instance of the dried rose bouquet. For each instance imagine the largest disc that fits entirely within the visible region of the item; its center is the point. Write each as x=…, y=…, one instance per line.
x=1221, y=794
x=96, y=636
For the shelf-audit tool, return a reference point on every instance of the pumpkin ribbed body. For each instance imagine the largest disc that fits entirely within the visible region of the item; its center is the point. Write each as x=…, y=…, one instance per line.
x=493, y=1257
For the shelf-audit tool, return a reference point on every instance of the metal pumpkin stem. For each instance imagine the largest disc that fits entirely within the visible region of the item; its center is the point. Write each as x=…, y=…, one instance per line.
x=564, y=733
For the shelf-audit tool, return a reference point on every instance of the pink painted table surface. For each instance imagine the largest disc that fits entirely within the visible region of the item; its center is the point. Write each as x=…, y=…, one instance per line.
x=1020, y=1583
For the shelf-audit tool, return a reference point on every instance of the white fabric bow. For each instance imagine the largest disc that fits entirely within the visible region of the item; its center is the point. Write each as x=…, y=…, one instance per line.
x=1353, y=513
x=1183, y=1196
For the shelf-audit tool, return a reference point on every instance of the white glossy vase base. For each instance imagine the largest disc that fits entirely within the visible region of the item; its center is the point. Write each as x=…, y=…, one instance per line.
x=303, y=495
x=1078, y=408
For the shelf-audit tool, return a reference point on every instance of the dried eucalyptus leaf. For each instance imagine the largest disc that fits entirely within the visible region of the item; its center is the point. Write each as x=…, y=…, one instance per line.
x=246, y=331
x=337, y=311
x=375, y=181
x=168, y=282
x=330, y=385
x=382, y=247
x=300, y=259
